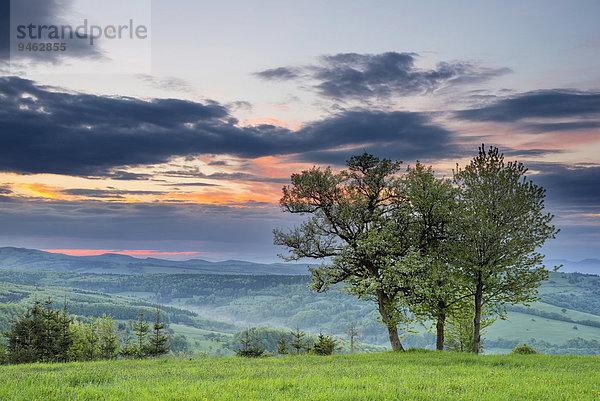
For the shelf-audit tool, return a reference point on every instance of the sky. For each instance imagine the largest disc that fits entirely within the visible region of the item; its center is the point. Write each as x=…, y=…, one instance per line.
x=175, y=142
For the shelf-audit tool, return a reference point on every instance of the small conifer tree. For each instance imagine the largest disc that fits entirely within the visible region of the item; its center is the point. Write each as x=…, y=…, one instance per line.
x=298, y=342
x=141, y=329
x=157, y=343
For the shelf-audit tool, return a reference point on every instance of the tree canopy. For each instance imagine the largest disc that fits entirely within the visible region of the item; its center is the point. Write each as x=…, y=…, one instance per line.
x=421, y=247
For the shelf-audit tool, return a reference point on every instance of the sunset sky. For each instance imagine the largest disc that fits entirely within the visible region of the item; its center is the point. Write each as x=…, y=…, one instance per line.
x=177, y=145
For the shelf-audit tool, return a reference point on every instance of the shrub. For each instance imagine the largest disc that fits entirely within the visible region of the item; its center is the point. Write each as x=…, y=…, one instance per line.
x=523, y=349
x=325, y=345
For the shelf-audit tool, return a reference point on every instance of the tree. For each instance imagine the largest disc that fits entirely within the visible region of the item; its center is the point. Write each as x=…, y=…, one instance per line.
x=109, y=344
x=23, y=339
x=50, y=334
x=353, y=334
x=298, y=342
x=128, y=350
x=66, y=336
x=355, y=215
x=500, y=226
x=250, y=345
x=91, y=335
x=157, y=344
x=141, y=329
x=325, y=345
x=435, y=286
x=282, y=345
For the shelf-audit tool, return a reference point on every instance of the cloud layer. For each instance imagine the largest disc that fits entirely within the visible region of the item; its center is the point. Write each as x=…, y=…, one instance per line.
x=541, y=107
x=43, y=130
x=347, y=76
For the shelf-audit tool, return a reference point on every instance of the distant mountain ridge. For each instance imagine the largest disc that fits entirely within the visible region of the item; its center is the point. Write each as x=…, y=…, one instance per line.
x=587, y=266
x=31, y=259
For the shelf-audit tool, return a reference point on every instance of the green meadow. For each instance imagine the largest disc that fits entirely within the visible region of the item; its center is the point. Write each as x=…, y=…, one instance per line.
x=414, y=375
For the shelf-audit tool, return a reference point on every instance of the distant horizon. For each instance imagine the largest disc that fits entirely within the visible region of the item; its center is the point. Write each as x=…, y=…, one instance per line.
x=137, y=255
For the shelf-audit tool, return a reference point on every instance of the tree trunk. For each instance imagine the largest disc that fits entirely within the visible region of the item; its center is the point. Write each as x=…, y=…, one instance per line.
x=477, y=318
x=383, y=301
x=394, y=339
x=439, y=341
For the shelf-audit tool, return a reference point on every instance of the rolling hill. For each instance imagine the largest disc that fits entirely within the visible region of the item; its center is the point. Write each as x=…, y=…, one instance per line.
x=30, y=259
x=565, y=320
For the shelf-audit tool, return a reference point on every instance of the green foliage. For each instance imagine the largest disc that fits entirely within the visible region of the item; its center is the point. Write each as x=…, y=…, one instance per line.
x=277, y=301
x=299, y=341
x=158, y=341
x=355, y=218
x=523, y=349
x=109, y=343
x=500, y=225
x=325, y=345
x=459, y=329
x=250, y=347
x=282, y=344
x=38, y=335
x=141, y=329
x=43, y=334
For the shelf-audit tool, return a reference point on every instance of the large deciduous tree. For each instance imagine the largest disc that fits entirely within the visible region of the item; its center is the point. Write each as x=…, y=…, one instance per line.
x=435, y=290
x=501, y=225
x=355, y=216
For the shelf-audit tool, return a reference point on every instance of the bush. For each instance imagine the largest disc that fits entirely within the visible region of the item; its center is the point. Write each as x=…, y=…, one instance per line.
x=523, y=349
x=325, y=345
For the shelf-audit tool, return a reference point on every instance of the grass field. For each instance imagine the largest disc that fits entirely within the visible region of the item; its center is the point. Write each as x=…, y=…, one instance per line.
x=414, y=375
x=523, y=326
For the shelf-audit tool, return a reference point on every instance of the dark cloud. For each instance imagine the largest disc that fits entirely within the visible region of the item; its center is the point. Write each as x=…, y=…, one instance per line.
x=191, y=184
x=46, y=131
x=146, y=221
x=196, y=173
x=4, y=32
x=280, y=73
x=126, y=176
x=239, y=105
x=5, y=190
x=396, y=135
x=107, y=193
x=530, y=152
x=566, y=126
x=48, y=12
x=542, y=104
x=360, y=76
x=569, y=186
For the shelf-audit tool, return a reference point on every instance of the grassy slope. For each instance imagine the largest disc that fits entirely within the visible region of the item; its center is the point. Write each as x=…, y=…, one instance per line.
x=521, y=326
x=383, y=376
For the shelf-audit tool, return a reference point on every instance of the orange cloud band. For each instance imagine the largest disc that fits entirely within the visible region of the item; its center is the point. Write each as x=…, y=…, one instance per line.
x=129, y=252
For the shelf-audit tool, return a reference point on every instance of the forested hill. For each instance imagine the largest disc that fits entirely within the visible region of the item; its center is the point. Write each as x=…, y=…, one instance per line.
x=30, y=259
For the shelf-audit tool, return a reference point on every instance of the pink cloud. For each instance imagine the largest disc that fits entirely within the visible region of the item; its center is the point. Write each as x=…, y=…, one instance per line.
x=129, y=252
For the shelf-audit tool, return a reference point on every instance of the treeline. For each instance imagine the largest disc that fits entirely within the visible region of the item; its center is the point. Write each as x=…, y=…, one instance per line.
x=85, y=302
x=588, y=302
x=45, y=334
x=257, y=342
x=166, y=287
x=574, y=346
x=552, y=315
